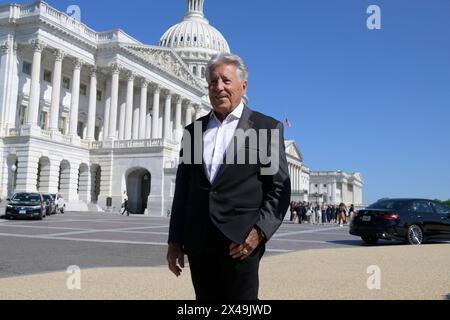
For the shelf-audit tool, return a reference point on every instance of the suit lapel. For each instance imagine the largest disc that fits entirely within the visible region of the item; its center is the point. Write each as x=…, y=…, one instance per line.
x=205, y=121
x=244, y=124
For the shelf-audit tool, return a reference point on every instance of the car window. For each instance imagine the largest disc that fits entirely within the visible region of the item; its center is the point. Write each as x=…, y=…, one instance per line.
x=387, y=205
x=440, y=208
x=419, y=207
x=26, y=197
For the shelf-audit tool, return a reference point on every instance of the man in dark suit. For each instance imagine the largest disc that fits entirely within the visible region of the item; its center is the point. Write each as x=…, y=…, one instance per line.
x=226, y=209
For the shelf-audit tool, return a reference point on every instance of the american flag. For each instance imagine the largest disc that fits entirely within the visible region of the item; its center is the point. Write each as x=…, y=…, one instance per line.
x=288, y=123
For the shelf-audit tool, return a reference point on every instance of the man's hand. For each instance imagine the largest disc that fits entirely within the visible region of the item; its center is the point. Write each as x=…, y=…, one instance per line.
x=175, y=258
x=243, y=251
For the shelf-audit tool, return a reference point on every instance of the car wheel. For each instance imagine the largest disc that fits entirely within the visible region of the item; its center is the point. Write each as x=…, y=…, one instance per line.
x=371, y=240
x=415, y=235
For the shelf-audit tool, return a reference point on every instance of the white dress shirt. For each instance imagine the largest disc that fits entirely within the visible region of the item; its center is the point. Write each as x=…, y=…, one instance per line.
x=217, y=138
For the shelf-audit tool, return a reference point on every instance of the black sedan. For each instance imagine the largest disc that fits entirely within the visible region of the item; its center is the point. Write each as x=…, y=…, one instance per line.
x=411, y=220
x=26, y=205
x=50, y=204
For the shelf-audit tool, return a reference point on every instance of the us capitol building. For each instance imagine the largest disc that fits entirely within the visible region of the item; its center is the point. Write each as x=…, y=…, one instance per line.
x=94, y=114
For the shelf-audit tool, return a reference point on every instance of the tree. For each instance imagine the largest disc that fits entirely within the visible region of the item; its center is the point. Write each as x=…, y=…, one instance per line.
x=447, y=203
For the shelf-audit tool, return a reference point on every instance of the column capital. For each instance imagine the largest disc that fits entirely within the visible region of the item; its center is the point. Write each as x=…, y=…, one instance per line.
x=59, y=54
x=156, y=88
x=37, y=45
x=93, y=71
x=115, y=68
x=178, y=98
x=77, y=63
x=167, y=93
x=130, y=75
x=143, y=82
x=197, y=107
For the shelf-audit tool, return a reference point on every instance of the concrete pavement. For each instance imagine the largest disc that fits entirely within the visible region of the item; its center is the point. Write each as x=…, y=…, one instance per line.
x=407, y=272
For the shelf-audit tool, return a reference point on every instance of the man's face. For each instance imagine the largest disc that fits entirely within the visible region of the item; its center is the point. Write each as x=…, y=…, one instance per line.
x=226, y=89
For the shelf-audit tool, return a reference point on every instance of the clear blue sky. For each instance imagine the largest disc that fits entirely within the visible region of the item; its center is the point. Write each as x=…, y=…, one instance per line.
x=377, y=102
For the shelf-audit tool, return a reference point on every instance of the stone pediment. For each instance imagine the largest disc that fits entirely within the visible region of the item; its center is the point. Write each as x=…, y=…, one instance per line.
x=292, y=150
x=167, y=61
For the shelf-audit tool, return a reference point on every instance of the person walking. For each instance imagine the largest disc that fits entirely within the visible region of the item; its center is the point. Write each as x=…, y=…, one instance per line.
x=125, y=204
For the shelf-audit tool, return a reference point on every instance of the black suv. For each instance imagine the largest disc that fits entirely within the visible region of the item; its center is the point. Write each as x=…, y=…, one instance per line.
x=26, y=205
x=411, y=220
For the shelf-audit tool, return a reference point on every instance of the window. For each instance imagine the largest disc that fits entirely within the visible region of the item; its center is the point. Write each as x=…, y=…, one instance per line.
x=80, y=130
x=66, y=83
x=83, y=89
x=194, y=70
x=324, y=185
x=43, y=120
x=203, y=72
x=419, y=207
x=99, y=95
x=63, y=125
x=26, y=68
x=22, y=115
x=440, y=208
x=47, y=76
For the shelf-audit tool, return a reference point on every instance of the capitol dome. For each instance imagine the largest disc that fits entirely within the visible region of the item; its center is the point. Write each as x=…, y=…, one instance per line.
x=194, y=39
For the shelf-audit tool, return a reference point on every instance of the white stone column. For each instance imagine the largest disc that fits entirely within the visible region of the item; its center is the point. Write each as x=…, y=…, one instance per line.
x=198, y=112
x=73, y=126
x=333, y=192
x=129, y=106
x=148, y=125
x=92, y=104
x=9, y=83
x=135, y=127
x=107, y=110
x=188, y=119
x=122, y=111
x=35, y=90
x=155, y=115
x=114, y=101
x=56, y=90
x=178, y=130
x=167, y=112
x=143, y=109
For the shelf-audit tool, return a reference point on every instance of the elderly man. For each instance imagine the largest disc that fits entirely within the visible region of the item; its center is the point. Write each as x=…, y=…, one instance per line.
x=225, y=211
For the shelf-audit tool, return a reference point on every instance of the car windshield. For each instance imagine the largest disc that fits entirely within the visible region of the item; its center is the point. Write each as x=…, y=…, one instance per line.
x=47, y=197
x=387, y=205
x=24, y=197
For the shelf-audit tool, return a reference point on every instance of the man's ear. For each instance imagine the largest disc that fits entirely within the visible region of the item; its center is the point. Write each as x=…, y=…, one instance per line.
x=244, y=87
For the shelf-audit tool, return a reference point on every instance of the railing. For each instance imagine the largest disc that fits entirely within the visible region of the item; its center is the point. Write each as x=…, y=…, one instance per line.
x=46, y=134
x=14, y=132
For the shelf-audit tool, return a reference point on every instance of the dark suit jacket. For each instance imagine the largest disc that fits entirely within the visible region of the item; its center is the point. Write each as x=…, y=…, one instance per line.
x=239, y=198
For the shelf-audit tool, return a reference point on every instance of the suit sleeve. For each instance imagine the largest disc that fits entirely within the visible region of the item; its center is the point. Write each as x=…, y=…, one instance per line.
x=277, y=193
x=178, y=214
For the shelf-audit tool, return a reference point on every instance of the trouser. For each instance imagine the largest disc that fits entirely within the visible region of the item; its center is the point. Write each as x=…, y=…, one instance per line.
x=217, y=276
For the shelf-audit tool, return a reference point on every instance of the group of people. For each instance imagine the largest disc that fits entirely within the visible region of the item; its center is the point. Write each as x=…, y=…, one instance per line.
x=314, y=213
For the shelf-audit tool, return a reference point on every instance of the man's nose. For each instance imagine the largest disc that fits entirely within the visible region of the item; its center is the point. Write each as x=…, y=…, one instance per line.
x=219, y=85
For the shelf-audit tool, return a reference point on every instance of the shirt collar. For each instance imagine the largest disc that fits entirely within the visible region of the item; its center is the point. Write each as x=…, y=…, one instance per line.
x=236, y=114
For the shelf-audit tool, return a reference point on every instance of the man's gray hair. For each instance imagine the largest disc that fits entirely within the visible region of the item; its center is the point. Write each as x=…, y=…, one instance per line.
x=227, y=58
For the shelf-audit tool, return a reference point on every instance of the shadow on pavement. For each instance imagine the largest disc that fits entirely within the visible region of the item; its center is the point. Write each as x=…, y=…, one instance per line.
x=360, y=243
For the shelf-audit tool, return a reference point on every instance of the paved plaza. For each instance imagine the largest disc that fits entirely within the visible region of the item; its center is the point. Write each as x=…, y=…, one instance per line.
x=123, y=257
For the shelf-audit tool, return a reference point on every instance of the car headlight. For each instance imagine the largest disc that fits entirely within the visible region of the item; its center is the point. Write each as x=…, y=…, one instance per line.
x=36, y=207
x=10, y=206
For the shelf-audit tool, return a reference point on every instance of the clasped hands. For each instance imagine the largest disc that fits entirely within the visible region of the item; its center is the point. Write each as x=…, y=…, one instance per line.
x=175, y=254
